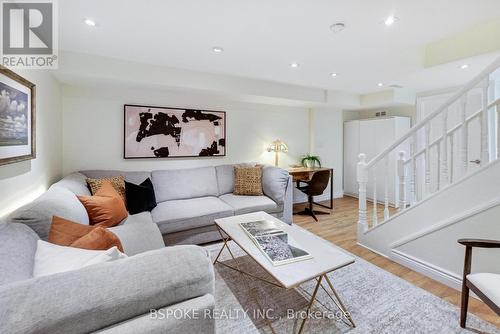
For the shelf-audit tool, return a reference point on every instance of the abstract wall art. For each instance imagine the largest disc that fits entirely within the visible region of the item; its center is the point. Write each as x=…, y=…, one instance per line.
x=17, y=118
x=160, y=132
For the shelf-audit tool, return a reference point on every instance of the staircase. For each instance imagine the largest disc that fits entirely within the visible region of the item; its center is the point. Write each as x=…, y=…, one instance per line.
x=448, y=177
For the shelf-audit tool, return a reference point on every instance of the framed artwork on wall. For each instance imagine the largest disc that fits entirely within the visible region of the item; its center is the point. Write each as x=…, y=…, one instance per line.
x=161, y=132
x=17, y=118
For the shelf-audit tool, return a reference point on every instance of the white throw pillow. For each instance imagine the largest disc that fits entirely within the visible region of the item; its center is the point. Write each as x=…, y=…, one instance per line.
x=51, y=259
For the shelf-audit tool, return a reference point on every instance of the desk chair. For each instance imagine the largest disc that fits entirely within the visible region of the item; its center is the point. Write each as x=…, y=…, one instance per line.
x=314, y=187
x=485, y=285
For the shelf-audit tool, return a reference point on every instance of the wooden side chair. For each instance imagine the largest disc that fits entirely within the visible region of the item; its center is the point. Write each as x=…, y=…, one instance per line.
x=485, y=285
x=315, y=187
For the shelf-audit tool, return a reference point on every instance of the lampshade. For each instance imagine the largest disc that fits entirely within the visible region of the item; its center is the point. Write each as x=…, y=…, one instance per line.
x=277, y=146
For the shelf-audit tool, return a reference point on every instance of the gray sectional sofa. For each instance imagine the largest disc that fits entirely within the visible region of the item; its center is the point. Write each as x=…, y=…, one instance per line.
x=189, y=200
x=112, y=297
x=116, y=297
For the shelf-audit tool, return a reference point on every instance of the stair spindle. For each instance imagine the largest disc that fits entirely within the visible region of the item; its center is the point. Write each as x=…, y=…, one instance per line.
x=402, y=178
x=485, y=157
x=438, y=169
x=386, y=189
x=452, y=144
x=414, y=184
x=362, y=178
x=427, y=159
x=464, y=153
x=374, y=216
x=445, y=148
x=497, y=109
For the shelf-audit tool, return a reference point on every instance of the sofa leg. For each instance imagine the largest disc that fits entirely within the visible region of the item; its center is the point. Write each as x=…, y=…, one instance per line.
x=465, y=304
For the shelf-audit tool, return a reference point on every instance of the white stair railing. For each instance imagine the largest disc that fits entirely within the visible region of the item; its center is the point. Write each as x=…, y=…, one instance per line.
x=426, y=164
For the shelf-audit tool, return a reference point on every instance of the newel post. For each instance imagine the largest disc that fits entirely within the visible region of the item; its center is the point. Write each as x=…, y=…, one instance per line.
x=362, y=177
x=402, y=180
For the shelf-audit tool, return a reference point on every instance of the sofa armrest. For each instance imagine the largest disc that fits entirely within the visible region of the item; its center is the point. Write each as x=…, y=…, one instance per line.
x=101, y=295
x=288, y=204
x=139, y=237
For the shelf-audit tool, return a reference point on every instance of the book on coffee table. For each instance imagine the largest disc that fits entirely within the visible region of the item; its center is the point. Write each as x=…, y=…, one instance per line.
x=277, y=245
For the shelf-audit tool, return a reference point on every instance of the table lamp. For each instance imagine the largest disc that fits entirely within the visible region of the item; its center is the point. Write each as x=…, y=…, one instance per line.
x=277, y=146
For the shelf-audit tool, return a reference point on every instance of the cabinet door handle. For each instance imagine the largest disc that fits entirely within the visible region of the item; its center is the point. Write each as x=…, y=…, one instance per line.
x=477, y=161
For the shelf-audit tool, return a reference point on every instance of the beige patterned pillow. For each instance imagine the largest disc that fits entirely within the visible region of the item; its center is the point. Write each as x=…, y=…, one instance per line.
x=248, y=181
x=118, y=182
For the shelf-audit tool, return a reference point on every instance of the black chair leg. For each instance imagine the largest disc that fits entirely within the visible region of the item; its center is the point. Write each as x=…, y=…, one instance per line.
x=465, y=304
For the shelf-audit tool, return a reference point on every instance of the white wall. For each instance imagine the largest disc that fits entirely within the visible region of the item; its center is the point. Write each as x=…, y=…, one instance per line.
x=23, y=181
x=93, y=131
x=93, y=128
x=328, y=137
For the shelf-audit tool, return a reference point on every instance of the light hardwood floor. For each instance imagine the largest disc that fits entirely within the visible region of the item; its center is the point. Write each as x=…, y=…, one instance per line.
x=340, y=228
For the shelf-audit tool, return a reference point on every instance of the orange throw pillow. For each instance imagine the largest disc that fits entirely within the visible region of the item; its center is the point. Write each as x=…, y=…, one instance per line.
x=106, y=208
x=98, y=239
x=64, y=232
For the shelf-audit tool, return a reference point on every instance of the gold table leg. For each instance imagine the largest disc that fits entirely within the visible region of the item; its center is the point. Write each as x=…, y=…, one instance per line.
x=336, y=300
x=341, y=306
x=311, y=302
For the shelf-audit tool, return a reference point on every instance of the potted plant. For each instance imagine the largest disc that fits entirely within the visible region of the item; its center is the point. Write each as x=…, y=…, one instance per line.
x=310, y=160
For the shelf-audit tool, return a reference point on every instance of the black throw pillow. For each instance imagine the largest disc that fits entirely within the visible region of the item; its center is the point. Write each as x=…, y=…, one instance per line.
x=140, y=197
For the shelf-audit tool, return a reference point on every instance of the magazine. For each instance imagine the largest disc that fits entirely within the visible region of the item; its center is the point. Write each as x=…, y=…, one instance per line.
x=276, y=244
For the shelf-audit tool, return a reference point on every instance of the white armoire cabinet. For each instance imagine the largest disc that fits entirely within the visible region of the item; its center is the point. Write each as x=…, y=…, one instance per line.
x=372, y=136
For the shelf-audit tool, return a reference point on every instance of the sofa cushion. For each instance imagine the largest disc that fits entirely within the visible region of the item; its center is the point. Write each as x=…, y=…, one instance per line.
x=117, y=182
x=177, y=184
x=140, y=197
x=57, y=201
x=246, y=204
x=274, y=183
x=76, y=183
x=139, y=218
x=64, y=232
x=52, y=259
x=106, y=208
x=225, y=179
x=248, y=181
x=180, y=215
x=134, y=176
x=17, y=252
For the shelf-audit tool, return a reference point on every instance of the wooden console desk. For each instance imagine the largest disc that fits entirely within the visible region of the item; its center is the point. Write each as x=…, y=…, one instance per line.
x=304, y=174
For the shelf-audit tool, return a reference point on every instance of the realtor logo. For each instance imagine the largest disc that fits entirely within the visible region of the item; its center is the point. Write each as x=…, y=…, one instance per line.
x=29, y=34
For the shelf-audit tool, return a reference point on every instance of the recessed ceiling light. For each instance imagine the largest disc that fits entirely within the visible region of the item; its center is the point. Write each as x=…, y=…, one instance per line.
x=294, y=65
x=464, y=66
x=390, y=20
x=337, y=27
x=217, y=49
x=333, y=75
x=380, y=84
x=90, y=22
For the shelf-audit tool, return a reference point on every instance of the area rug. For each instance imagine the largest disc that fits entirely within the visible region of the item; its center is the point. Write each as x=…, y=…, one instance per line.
x=378, y=301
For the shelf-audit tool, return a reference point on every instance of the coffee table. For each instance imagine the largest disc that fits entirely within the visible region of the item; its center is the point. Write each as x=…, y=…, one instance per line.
x=325, y=258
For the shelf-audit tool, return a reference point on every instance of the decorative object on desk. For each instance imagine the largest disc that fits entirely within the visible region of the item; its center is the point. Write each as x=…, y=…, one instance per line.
x=277, y=146
x=310, y=160
x=17, y=118
x=157, y=132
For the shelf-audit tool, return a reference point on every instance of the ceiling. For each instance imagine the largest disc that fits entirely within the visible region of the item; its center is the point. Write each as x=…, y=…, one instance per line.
x=262, y=37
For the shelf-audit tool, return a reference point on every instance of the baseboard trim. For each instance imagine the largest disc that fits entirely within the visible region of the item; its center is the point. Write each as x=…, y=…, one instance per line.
x=323, y=198
x=425, y=268
x=372, y=250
